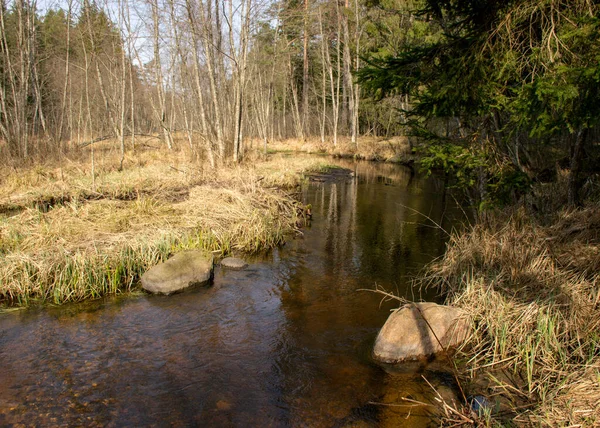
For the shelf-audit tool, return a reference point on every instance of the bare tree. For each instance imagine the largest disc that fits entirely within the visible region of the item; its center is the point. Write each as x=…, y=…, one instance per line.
x=193, y=26
x=240, y=60
x=348, y=100
x=305, y=68
x=89, y=125
x=356, y=91
x=130, y=47
x=208, y=37
x=158, y=74
x=17, y=62
x=334, y=79
x=10, y=133
x=67, y=72
x=220, y=71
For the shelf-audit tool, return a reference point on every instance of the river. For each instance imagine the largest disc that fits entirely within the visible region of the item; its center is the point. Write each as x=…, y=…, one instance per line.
x=285, y=342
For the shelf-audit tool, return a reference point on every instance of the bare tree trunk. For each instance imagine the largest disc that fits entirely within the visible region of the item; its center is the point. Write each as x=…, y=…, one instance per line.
x=348, y=87
x=227, y=86
x=132, y=106
x=185, y=78
x=306, y=37
x=71, y=109
x=147, y=83
x=80, y=117
x=284, y=115
x=171, y=84
x=24, y=46
x=158, y=76
x=357, y=36
x=262, y=104
x=123, y=88
x=324, y=41
x=33, y=61
x=295, y=104
x=196, y=54
x=89, y=112
x=130, y=48
x=67, y=72
x=10, y=126
x=107, y=104
x=237, y=85
x=267, y=107
x=241, y=60
x=334, y=82
x=209, y=49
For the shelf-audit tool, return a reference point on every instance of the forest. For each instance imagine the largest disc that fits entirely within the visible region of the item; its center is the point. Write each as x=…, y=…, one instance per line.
x=498, y=93
x=124, y=106
x=217, y=73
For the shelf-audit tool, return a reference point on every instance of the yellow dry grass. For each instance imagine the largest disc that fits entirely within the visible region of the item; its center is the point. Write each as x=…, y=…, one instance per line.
x=532, y=287
x=396, y=149
x=66, y=237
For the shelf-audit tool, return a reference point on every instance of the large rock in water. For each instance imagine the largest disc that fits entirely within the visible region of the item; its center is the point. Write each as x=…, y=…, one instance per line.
x=180, y=271
x=407, y=334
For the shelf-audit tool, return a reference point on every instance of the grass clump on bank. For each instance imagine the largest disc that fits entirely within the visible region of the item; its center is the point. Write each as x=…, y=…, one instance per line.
x=395, y=150
x=532, y=286
x=98, y=236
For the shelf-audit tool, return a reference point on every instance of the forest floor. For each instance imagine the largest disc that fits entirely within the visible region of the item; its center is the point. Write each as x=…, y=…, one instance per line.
x=65, y=236
x=529, y=276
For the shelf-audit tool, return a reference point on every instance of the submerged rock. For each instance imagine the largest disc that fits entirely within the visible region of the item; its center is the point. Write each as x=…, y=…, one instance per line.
x=407, y=334
x=180, y=271
x=223, y=405
x=233, y=263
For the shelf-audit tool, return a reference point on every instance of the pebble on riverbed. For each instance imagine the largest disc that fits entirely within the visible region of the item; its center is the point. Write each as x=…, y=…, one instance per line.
x=233, y=263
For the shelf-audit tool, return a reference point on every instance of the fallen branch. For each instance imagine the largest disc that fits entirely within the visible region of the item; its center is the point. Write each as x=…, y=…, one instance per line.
x=108, y=137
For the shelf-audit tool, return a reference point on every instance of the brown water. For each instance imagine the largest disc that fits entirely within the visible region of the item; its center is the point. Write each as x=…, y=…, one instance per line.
x=286, y=342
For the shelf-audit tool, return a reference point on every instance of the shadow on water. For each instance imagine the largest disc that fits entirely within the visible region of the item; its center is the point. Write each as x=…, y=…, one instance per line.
x=286, y=342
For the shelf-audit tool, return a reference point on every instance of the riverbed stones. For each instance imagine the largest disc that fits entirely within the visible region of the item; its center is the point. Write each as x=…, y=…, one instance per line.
x=180, y=271
x=420, y=330
x=233, y=263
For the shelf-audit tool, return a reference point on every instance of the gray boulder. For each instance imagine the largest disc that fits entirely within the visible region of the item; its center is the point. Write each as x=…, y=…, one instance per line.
x=407, y=334
x=180, y=271
x=233, y=263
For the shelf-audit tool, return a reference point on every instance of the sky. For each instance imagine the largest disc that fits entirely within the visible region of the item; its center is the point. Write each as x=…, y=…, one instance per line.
x=138, y=16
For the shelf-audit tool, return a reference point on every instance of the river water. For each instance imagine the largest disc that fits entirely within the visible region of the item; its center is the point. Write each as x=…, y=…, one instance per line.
x=286, y=342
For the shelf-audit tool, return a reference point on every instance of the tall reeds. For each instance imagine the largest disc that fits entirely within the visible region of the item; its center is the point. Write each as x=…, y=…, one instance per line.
x=532, y=286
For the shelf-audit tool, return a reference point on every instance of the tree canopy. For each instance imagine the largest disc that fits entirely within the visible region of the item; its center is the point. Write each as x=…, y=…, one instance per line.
x=513, y=80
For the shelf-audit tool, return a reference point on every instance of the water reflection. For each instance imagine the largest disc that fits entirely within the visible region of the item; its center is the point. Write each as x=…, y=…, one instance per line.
x=286, y=342
x=386, y=231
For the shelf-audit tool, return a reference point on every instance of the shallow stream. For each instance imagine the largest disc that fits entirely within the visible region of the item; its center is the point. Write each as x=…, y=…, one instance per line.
x=285, y=342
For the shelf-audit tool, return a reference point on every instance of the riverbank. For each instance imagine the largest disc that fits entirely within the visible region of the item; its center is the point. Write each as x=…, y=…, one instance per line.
x=529, y=277
x=69, y=235
x=393, y=150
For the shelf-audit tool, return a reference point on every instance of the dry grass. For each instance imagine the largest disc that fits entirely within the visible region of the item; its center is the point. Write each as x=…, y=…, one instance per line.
x=64, y=239
x=394, y=149
x=532, y=287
